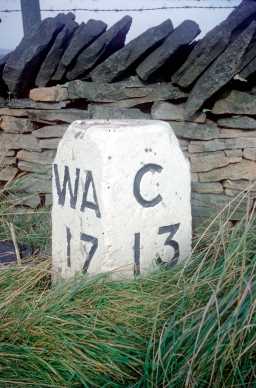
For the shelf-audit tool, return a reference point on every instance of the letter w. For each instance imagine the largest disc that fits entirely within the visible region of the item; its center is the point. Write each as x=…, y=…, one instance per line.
x=66, y=181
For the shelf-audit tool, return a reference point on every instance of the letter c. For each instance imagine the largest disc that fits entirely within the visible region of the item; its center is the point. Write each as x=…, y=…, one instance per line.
x=151, y=167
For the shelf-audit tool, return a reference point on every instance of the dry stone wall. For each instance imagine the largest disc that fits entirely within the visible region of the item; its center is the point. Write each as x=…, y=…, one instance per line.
x=220, y=145
x=205, y=89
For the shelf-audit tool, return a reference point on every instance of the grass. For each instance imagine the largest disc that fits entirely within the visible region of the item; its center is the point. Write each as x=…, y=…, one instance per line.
x=194, y=326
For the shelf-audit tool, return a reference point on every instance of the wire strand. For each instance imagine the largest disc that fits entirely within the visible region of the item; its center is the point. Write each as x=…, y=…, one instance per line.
x=163, y=8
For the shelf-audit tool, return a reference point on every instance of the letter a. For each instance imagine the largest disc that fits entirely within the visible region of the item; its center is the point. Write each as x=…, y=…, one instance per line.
x=85, y=203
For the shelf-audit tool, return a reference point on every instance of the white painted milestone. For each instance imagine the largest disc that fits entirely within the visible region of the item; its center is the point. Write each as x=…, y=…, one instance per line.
x=121, y=199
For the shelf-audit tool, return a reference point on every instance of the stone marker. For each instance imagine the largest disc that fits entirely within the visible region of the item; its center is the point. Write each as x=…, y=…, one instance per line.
x=108, y=43
x=126, y=59
x=121, y=199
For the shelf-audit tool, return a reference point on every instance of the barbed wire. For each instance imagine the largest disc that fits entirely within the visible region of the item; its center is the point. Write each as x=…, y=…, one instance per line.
x=163, y=8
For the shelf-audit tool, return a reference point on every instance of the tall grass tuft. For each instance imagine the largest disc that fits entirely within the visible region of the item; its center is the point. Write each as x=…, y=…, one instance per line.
x=194, y=326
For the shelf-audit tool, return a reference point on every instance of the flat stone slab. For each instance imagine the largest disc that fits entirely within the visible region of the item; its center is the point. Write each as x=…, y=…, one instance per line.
x=24, y=62
x=173, y=112
x=50, y=94
x=237, y=102
x=106, y=112
x=53, y=57
x=246, y=169
x=213, y=44
x=50, y=131
x=220, y=72
x=177, y=40
x=108, y=43
x=18, y=107
x=118, y=204
x=123, y=94
x=11, y=124
x=240, y=122
x=55, y=116
x=82, y=38
x=44, y=157
x=126, y=59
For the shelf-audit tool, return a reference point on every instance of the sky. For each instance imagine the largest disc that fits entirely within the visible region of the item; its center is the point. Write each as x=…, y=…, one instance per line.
x=11, y=30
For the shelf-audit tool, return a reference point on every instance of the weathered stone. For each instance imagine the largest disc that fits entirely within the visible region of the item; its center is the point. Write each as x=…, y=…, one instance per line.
x=13, y=112
x=8, y=173
x=34, y=167
x=209, y=161
x=104, y=92
x=49, y=144
x=233, y=153
x=51, y=94
x=53, y=57
x=121, y=95
x=242, y=122
x=82, y=38
x=239, y=185
x=177, y=40
x=6, y=152
x=50, y=131
x=220, y=72
x=194, y=131
x=204, y=187
x=126, y=59
x=26, y=103
x=24, y=62
x=250, y=153
x=213, y=44
x=44, y=157
x=16, y=125
x=249, y=62
x=7, y=161
x=119, y=168
x=173, y=112
x=64, y=116
x=208, y=205
x=239, y=103
x=24, y=199
x=244, y=170
x=107, y=112
x=108, y=43
x=221, y=144
x=19, y=141
x=34, y=183
x=233, y=133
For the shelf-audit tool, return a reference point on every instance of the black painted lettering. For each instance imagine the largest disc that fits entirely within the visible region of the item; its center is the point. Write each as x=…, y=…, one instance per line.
x=61, y=191
x=137, y=181
x=94, y=241
x=69, y=236
x=136, y=249
x=172, y=230
x=88, y=204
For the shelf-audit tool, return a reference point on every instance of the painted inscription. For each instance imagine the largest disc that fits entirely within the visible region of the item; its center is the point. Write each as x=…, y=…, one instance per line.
x=66, y=186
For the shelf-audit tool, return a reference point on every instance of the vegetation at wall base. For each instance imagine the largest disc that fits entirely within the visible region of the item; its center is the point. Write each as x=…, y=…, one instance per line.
x=193, y=326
